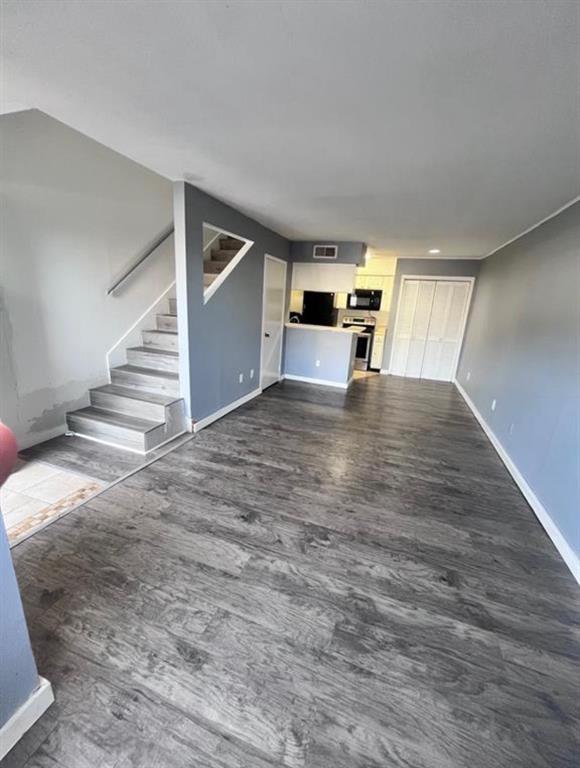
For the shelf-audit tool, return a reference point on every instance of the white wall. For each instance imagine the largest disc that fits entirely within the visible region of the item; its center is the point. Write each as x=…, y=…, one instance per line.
x=73, y=215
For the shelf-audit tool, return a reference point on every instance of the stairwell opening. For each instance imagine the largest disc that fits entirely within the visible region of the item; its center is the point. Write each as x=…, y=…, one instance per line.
x=222, y=252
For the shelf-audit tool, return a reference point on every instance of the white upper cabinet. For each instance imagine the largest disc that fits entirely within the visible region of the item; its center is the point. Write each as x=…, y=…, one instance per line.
x=331, y=278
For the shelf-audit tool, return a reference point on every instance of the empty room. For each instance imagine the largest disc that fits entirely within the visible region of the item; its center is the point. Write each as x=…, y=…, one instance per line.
x=289, y=384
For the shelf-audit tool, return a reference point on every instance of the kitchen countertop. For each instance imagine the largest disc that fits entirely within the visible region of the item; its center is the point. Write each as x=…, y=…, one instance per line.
x=331, y=328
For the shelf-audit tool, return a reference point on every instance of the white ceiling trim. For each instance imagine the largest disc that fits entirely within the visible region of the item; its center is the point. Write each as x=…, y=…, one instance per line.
x=534, y=226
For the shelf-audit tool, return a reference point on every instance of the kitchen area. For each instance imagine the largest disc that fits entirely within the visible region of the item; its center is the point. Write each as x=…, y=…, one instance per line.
x=338, y=317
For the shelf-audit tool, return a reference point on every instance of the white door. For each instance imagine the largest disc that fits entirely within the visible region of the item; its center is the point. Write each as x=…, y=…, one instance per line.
x=429, y=328
x=445, y=330
x=274, y=301
x=412, y=326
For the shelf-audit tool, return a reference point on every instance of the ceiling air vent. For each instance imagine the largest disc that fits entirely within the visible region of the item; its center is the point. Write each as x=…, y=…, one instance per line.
x=325, y=252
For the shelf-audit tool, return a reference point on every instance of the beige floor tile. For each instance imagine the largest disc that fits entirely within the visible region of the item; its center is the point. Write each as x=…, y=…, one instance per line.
x=27, y=509
x=57, y=487
x=10, y=501
x=27, y=474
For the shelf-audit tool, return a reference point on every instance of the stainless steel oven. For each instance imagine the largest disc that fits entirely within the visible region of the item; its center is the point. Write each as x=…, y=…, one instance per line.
x=365, y=328
x=363, y=299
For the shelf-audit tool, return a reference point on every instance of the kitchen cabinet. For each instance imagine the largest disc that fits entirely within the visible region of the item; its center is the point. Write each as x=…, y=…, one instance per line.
x=375, y=282
x=387, y=288
x=326, y=278
x=377, y=350
x=361, y=282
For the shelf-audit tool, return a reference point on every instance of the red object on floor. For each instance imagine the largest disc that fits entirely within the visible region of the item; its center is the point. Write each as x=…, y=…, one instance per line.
x=8, y=451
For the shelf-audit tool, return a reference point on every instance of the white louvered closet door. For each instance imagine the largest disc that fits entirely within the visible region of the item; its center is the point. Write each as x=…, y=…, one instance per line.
x=429, y=328
x=404, y=326
x=445, y=330
x=412, y=327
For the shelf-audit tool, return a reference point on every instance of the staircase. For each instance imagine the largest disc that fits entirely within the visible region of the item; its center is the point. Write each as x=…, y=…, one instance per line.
x=141, y=408
x=219, y=259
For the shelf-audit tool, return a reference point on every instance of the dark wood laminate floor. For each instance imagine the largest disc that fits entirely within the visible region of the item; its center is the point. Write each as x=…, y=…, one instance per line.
x=319, y=579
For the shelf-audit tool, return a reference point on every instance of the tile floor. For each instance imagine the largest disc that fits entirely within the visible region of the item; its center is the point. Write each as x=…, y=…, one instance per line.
x=37, y=493
x=364, y=374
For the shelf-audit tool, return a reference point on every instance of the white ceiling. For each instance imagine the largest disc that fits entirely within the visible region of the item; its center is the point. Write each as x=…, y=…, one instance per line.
x=409, y=125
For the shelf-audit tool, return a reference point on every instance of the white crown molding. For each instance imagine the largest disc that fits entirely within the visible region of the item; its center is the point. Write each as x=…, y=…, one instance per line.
x=534, y=226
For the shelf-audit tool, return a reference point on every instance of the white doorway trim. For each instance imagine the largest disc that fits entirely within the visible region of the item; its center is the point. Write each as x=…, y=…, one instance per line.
x=445, y=278
x=285, y=264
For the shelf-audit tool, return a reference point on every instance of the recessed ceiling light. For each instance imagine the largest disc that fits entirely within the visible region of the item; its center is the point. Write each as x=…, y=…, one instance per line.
x=434, y=250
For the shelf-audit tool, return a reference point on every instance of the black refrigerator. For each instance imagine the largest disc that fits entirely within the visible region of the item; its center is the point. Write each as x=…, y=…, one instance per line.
x=318, y=308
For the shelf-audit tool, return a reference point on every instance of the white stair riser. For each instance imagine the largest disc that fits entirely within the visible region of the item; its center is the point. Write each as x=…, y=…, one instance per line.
x=151, y=360
x=160, y=340
x=144, y=382
x=173, y=306
x=140, y=408
x=167, y=323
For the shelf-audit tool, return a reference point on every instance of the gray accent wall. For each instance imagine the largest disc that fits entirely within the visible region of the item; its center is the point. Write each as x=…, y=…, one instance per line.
x=425, y=268
x=18, y=675
x=348, y=252
x=522, y=348
x=223, y=337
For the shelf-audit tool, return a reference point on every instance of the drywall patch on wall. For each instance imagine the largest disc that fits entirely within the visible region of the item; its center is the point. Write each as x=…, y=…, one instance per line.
x=74, y=215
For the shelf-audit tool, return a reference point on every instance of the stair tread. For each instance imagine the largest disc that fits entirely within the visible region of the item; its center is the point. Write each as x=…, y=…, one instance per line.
x=148, y=371
x=151, y=350
x=162, y=330
x=116, y=419
x=137, y=394
x=165, y=314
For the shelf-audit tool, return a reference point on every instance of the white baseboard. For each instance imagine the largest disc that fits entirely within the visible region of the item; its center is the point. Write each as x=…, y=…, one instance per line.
x=323, y=382
x=205, y=422
x=566, y=552
x=385, y=371
x=25, y=717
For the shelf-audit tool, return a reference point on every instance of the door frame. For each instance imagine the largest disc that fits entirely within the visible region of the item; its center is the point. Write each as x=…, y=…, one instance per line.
x=285, y=264
x=443, y=278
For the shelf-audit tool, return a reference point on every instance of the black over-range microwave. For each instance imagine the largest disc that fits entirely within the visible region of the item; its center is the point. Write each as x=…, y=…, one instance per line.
x=362, y=299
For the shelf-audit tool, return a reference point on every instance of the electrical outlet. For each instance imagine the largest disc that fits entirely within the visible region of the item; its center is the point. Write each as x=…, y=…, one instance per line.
x=241, y=377
x=318, y=363
x=251, y=373
x=493, y=404
x=468, y=376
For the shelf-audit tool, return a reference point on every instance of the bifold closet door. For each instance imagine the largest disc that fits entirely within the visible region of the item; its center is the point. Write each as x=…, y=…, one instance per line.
x=412, y=327
x=445, y=330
